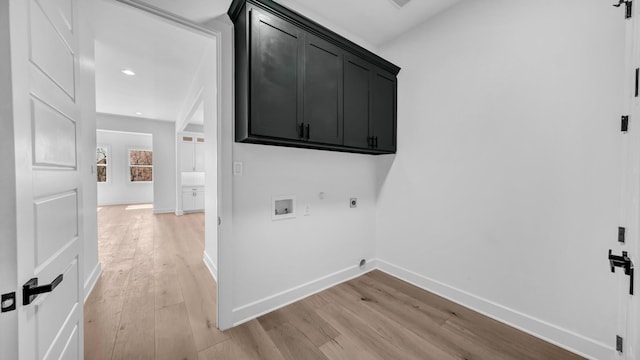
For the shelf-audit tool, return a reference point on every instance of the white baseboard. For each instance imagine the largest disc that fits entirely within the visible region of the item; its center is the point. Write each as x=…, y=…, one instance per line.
x=125, y=202
x=257, y=308
x=163, y=211
x=211, y=265
x=564, y=338
x=90, y=283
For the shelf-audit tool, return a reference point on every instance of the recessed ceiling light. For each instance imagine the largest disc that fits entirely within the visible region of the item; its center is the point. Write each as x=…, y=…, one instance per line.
x=128, y=72
x=138, y=113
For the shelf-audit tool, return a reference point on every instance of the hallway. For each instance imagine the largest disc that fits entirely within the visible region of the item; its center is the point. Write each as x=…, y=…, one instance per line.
x=155, y=298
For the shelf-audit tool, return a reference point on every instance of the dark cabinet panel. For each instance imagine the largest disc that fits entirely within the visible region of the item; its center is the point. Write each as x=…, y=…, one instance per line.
x=358, y=76
x=383, y=117
x=322, y=91
x=300, y=84
x=276, y=81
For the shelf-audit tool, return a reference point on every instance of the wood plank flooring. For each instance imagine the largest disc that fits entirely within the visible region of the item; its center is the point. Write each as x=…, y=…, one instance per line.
x=156, y=300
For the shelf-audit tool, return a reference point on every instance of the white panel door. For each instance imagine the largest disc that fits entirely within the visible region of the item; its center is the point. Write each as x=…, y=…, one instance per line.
x=46, y=121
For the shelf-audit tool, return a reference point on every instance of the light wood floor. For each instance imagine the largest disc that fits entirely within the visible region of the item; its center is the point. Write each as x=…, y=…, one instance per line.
x=156, y=300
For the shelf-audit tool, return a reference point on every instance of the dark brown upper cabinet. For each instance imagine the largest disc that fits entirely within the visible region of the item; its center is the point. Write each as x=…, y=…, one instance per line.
x=322, y=91
x=383, y=116
x=299, y=84
x=276, y=79
x=358, y=82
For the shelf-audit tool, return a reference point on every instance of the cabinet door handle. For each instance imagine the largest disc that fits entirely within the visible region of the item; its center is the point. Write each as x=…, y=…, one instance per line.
x=308, y=131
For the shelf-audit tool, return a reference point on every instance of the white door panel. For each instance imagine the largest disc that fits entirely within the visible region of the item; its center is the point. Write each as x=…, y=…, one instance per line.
x=61, y=12
x=55, y=310
x=49, y=50
x=46, y=121
x=70, y=351
x=56, y=224
x=54, y=136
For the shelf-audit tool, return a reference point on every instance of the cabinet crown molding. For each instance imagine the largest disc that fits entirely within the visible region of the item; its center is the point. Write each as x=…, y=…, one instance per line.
x=311, y=26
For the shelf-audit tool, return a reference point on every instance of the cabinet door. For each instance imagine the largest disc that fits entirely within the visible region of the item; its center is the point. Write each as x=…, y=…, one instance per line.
x=322, y=91
x=199, y=154
x=188, y=201
x=186, y=155
x=383, y=117
x=198, y=200
x=276, y=77
x=358, y=76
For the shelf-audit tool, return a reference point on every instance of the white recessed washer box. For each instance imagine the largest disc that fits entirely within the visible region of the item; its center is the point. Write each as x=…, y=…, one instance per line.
x=283, y=207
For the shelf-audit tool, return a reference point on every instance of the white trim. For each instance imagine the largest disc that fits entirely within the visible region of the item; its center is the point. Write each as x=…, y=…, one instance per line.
x=177, y=19
x=92, y=280
x=179, y=212
x=132, y=202
x=163, y=211
x=541, y=329
x=123, y=132
x=260, y=307
x=223, y=29
x=213, y=269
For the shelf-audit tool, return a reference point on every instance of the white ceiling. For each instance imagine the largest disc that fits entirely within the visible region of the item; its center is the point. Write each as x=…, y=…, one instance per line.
x=166, y=57
x=374, y=21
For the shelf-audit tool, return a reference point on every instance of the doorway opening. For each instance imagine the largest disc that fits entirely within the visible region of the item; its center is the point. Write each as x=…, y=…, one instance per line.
x=157, y=291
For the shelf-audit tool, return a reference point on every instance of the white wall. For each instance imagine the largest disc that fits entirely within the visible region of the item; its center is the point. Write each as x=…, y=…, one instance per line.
x=164, y=154
x=308, y=13
x=119, y=189
x=276, y=262
x=505, y=191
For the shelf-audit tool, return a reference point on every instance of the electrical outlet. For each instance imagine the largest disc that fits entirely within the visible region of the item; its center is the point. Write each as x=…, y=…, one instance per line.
x=353, y=202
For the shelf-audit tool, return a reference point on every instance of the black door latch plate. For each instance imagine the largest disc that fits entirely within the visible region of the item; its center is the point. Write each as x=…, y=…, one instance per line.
x=8, y=302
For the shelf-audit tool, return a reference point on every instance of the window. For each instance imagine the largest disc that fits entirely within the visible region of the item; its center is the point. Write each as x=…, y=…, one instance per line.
x=140, y=165
x=101, y=163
